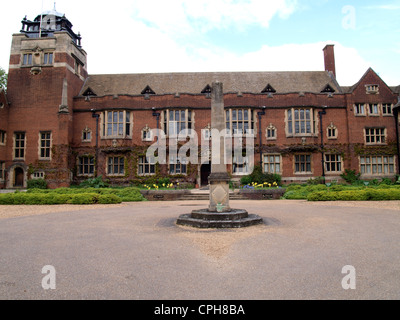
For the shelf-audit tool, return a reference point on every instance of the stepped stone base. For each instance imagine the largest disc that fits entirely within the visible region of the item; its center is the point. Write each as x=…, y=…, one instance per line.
x=236, y=218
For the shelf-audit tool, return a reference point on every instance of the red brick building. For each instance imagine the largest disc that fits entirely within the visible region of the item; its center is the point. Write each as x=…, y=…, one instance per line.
x=59, y=123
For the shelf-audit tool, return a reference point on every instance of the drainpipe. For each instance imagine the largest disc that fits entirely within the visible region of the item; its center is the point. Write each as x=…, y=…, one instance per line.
x=157, y=115
x=321, y=113
x=259, y=114
x=96, y=116
x=396, y=121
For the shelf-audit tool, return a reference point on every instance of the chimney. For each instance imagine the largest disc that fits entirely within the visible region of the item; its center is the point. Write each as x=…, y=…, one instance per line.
x=329, y=57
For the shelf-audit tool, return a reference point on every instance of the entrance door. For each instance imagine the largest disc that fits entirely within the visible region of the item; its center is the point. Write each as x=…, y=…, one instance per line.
x=18, y=177
x=205, y=173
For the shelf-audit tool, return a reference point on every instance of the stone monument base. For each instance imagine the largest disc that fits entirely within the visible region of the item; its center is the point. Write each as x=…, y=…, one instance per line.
x=235, y=218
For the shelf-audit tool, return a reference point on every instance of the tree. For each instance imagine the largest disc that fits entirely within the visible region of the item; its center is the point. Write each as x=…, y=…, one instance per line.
x=3, y=79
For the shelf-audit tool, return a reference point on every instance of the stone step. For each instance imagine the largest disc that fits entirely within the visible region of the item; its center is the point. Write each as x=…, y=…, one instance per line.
x=207, y=197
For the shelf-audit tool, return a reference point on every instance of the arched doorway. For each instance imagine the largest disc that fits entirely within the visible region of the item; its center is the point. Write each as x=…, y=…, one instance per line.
x=18, y=177
x=205, y=173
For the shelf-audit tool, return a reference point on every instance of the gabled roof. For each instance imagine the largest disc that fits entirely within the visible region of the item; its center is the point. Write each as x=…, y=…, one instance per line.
x=396, y=89
x=195, y=82
x=355, y=86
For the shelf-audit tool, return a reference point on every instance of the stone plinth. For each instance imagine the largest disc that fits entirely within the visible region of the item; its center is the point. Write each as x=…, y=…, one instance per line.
x=236, y=218
x=219, y=214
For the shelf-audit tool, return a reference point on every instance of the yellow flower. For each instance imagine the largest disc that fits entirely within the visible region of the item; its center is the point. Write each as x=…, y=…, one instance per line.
x=163, y=184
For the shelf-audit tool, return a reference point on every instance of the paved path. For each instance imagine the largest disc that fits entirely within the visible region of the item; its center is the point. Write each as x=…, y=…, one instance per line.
x=135, y=251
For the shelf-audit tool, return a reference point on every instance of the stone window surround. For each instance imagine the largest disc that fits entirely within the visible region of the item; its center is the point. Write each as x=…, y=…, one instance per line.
x=15, y=146
x=306, y=163
x=142, y=162
x=338, y=160
x=86, y=131
x=83, y=165
x=370, y=164
x=368, y=134
x=47, y=147
x=271, y=132
x=119, y=164
x=313, y=121
x=329, y=130
x=273, y=163
x=103, y=125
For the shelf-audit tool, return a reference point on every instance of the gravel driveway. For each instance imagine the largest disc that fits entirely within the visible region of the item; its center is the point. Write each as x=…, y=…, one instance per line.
x=135, y=251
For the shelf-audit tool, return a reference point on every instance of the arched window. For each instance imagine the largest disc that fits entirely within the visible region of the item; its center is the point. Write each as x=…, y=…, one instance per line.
x=271, y=133
x=332, y=131
x=146, y=134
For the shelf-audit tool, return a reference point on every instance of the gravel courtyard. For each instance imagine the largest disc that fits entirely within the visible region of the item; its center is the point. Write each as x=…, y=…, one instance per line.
x=135, y=251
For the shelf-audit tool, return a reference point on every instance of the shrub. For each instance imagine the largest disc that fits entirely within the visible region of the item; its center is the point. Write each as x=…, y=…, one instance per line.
x=245, y=180
x=165, y=181
x=109, y=199
x=73, y=196
x=130, y=194
x=293, y=186
x=386, y=181
x=355, y=195
x=350, y=176
x=94, y=183
x=257, y=176
x=37, y=184
x=317, y=180
x=337, y=187
x=6, y=198
x=84, y=198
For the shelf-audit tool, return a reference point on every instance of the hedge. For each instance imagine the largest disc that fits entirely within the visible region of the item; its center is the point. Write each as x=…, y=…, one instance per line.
x=356, y=195
x=53, y=198
x=130, y=194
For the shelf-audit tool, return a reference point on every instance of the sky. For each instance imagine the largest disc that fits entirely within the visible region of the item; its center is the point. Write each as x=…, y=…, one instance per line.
x=151, y=36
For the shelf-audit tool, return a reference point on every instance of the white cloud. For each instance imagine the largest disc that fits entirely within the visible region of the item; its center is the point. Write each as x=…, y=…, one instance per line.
x=166, y=36
x=182, y=17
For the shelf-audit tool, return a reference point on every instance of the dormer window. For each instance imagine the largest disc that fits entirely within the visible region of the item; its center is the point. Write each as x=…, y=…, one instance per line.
x=328, y=89
x=372, y=88
x=147, y=91
x=268, y=89
x=89, y=93
x=207, y=91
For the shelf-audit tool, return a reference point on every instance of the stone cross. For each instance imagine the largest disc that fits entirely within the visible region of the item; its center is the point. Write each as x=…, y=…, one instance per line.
x=219, y=178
